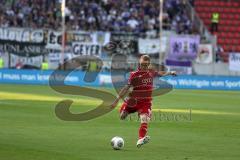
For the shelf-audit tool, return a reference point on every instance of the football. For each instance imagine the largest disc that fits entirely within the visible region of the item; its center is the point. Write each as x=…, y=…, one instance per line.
x=117, y=143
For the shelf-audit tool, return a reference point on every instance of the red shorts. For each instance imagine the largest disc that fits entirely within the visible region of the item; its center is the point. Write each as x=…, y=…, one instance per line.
x=140, y=107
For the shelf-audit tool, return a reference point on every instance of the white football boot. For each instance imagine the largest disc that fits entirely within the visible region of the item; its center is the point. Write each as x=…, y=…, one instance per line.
x=143, y=141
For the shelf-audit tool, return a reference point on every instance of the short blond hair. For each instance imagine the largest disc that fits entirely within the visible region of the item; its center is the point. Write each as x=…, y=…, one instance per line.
x=145, y=58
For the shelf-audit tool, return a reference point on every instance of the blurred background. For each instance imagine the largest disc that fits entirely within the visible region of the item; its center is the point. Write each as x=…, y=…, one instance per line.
x=96, y=43
x=193, y=37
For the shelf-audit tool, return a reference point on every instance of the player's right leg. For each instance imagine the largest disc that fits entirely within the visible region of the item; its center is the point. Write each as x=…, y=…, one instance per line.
x=143, y=137
x=143, y=141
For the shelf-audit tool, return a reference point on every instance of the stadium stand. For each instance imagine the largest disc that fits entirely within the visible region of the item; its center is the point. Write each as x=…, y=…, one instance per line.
x=128, y=16
x=105, y=15
x=228, y=35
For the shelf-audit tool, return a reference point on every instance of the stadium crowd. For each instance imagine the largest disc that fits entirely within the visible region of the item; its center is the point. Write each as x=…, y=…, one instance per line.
x=105, y=15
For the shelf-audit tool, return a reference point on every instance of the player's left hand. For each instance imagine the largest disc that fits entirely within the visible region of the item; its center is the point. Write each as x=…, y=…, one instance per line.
x=173, y=73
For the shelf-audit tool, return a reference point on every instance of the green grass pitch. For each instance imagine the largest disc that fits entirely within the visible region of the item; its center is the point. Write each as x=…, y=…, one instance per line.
x=29, y=129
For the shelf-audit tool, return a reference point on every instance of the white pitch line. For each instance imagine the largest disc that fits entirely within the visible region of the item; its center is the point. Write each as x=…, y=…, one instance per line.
x=23, y=96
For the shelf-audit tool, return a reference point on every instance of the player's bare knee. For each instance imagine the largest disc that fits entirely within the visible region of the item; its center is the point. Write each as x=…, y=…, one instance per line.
x=144, y=118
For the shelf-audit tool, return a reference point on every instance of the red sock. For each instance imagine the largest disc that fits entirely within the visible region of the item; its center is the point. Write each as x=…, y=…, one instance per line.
x=143, y=130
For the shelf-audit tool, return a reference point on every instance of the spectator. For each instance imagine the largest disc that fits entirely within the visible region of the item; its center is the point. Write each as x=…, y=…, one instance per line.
x=1, y=62
x=219, y=51
x=132, y=23
x=105, y=15
x=215, y=21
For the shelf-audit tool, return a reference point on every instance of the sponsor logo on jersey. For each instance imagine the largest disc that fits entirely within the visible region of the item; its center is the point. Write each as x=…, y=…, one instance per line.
x=147, y=80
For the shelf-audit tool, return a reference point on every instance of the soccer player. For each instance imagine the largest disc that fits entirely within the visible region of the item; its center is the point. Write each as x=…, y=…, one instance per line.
x=140, y=98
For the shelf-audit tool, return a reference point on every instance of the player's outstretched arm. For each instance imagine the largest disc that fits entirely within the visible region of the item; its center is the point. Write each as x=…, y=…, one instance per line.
x=167, y=73
x=120, y=95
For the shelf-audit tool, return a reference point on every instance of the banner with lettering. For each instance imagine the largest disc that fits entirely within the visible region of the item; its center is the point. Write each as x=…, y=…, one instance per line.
x=22, y=41
x=104, y=79
x=234, y=61
x=25, y=35
x=152, y=46
x=122, y=43
x=89, y=49
x=23, y=48
x=26, y=62
x=183, y=47
x=205, y=54
x=55, y=38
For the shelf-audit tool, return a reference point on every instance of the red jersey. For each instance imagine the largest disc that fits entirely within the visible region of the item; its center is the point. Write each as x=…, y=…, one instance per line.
x=142, y=83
